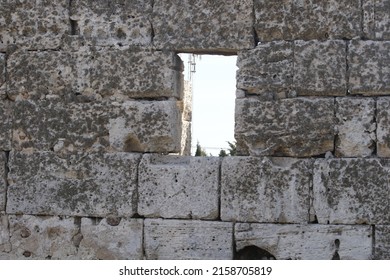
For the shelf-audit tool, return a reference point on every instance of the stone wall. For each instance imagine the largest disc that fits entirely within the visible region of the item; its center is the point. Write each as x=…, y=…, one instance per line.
x=95, y=123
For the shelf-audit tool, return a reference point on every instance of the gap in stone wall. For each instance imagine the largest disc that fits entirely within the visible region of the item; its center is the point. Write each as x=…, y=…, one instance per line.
x=213, y=82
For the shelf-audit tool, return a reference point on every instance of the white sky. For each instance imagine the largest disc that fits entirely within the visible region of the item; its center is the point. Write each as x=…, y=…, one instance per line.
x=214, y=90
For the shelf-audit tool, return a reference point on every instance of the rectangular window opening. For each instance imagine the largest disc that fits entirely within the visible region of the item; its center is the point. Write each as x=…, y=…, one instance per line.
x=209, y=104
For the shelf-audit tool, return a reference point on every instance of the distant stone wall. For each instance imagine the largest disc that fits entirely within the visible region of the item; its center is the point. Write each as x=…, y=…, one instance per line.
x=96, y=120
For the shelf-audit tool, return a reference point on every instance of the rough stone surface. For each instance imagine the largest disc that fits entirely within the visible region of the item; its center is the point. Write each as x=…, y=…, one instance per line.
x=42, y=237
x=5, y=245
x=376, y=19
x=308, y=242
x=33, y=24
x=149, y=126
x=267, y=69
x=183, y=240
x=107, y=239
x=112, y=22
x=203, y=26
x=356, y=127
x=266, y=190
x=383, y=127
x=92, y=184
x=288, y=127
x=3, y=92
x=307, y=20
x=178, y=187
x=6, y=111
x=94, y=74
x=351, y=191
x=369, y=67
x=382, y=242
x=320, y=68
x=3, y=186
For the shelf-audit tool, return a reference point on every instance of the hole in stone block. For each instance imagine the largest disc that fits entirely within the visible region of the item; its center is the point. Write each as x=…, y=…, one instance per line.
x=210, y=88
x=253, y=253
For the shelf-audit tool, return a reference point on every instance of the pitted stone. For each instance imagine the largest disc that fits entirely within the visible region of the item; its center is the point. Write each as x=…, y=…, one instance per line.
x=320, y=68
x=203, y=26
x=105, y=242
x=356, y=127
x=383, y=127
x=188, y=239
x=382, y=242
x=369, y=67
x=266, y=190
x=33, y=24
x=3, y=89
x=116, y=22
x=308, y=242
x=376, y=19
x=6, y=116
x=93, y=184
x=42, y=237
x=5, y=245
x=297, y=127
x=351, y=191
x=3, y=184
x=178, y=187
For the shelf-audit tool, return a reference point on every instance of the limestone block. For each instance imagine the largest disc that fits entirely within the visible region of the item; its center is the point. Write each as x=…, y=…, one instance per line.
x=3, y=92
x=178, y=187
x=320, y=68
x=93, y=184
x=3, y=186
x=356, y=127
x=40, y=237
x=382, y=242
x=6, y=108
x=266, y=69
x=149, y=126
x=369, y=70
x=351, y=191
x=308, y=242
x=112, y=22
x=111, y=239
x=203, y=26
x=383, y=127
x=187, y=239
x=307, y=20
x=288, y=127
x=274, y=190
x=33, y=24
x=376, y=19
x=5, y=245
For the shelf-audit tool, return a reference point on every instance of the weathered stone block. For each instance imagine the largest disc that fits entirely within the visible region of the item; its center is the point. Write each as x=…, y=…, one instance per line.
x=42, y=237
x=369, y=70
x=178, y=187
x=307, y=20
x=3, y=92
x=203, y=26
x=5, y=245
x=356, y=127
x=382, y=242
x=383, y=127
x=111, y=239
x=376, y=19
x=288, y=127
x=351, y=191
x=6, y=108
x=92, y=184
x=320, y=68
x=274, y=190
x=3, y=186
x=266, y=69
x=33, y=24
x=308, y=242
x=116, y=22
x=183, y=240
x=131, y=126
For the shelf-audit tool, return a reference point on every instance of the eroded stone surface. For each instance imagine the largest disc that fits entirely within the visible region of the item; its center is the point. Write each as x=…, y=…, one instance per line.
x=274, y=190
x=42, y=237
x=376, y=19
x=307, y=20
x=356, y=127
x=288, y=127
x=320, y=68
x=3, y=92
x=6, y=108
x=92, y=184
x=5, y=245
x=203, y=26
x=178, y=187
x=267, y=69
x=308, y=242
x=369, y=70
x=383, y=127
x=183, y=240
x=113, y=22
x=130, y=126
x=382, y=242
x=33, y=24
x=104, y=240
x=3, y=186
x=351, y=191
